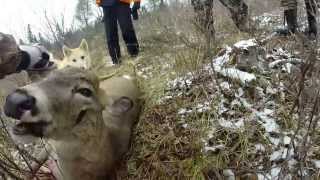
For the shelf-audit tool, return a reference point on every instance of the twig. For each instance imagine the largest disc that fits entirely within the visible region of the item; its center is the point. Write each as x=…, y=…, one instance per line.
x=15, y=145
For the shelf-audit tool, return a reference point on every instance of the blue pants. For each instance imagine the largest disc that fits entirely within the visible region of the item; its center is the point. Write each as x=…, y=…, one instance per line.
x=119, y=13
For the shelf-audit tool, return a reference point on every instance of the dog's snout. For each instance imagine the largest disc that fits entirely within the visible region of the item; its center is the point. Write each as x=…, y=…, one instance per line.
x=17, y=103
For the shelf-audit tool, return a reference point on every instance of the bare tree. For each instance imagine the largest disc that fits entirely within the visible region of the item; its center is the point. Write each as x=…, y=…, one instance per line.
x=84, y=11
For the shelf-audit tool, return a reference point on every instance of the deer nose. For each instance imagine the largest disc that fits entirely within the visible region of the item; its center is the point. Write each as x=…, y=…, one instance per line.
x=17, y=103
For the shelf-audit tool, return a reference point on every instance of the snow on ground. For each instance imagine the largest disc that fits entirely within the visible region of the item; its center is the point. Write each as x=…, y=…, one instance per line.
x=245, y=44
x=266, y=19
x=233, y=114
x=233, y=73
x=219, y=64
x=316, y=163
x=282, y=58
x=181, y=82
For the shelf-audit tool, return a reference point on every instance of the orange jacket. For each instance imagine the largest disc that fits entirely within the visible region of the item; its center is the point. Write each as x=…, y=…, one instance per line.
x=98, y=2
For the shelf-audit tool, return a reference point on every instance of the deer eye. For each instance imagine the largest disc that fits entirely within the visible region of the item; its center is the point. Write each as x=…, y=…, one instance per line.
x=74, y=60
x=82, y=57
x=85, y=92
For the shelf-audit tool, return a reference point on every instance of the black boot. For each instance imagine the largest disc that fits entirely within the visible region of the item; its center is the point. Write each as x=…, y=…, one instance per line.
x=290, y=17
x=311, y=12
x=115, y=54
x=133, y=49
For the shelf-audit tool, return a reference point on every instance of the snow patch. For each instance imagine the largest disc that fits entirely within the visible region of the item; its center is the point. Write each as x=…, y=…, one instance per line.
x=225, y=85
x=267, y=122
x=185, y=125
x=274, y=141
x=316, y=163
x=228, y=174
x=236, y=74
x=214, y=149
x=127, y=77
x=181, y=82
x=281, y=154
x=260, y=148
x=275, y=172
x=203, y=107
x=222, y=60
x=229, y=124
x=286, y=140
x=183, y=111
x=245, y=44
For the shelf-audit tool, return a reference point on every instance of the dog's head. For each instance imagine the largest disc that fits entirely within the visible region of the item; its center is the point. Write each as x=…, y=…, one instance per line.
x=34, y=57
x=54, y=106
x=78, y=57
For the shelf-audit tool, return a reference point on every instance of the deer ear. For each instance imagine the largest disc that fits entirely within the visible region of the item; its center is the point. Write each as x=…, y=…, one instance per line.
x=84, y=45
x=122, y=105
x=66, y=51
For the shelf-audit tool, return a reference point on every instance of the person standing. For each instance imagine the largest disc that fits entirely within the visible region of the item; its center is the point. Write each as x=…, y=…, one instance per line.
x=290, y=15
x=119, y=11
x=239, y=14
x=204, y=13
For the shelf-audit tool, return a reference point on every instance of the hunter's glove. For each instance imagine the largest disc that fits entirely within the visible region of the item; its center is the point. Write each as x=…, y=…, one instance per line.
x=134, y=10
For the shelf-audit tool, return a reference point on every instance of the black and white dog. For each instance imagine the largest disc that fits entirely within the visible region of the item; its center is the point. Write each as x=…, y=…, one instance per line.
x=34, y=58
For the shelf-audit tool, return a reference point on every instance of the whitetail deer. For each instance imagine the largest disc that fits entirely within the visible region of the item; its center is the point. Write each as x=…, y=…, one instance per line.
x=87, y=122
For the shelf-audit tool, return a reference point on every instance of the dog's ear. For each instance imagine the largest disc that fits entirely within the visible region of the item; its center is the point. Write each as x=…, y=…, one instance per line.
x=66, y=51
x=84, y=45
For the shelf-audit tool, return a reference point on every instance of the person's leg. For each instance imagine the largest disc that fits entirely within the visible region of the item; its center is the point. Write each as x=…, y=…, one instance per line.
x=111, y=27
x=312, y=20
x=239, y=12
x=291, y=19
x=290, y=15
x=127, y=29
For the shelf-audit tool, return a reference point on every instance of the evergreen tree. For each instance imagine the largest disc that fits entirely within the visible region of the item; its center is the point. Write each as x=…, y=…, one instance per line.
x=30, y=36
x=42, y=40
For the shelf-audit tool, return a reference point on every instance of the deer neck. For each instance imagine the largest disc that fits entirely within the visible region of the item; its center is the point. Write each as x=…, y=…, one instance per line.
x=87, y=136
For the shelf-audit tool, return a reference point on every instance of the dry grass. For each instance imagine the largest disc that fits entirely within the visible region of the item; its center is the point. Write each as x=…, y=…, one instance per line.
x=168, y=145
x=163, y=148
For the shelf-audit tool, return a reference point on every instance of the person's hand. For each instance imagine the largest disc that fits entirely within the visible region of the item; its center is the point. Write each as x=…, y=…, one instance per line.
x=98, y=2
